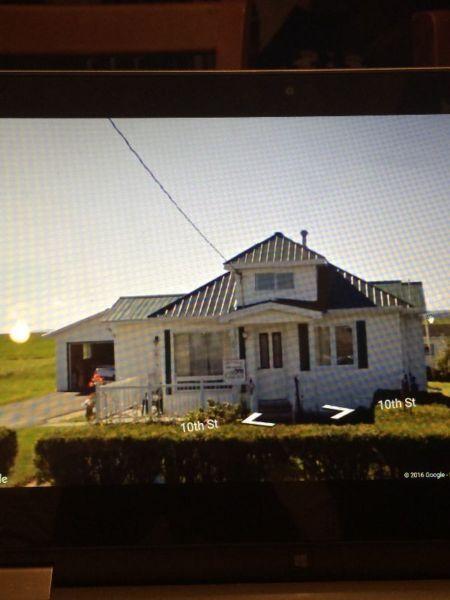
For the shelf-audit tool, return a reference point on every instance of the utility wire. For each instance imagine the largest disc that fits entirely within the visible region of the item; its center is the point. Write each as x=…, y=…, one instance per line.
x=163, y=189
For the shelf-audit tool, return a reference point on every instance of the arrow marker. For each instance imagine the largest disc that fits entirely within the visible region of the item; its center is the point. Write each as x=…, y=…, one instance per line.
x=343, y=412
x=251, y=420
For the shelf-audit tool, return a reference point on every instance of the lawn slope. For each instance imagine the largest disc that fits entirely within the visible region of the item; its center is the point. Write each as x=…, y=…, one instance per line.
x=26, y=370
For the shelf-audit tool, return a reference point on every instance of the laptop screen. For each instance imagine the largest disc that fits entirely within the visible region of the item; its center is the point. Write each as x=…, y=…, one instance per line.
x=224, y=300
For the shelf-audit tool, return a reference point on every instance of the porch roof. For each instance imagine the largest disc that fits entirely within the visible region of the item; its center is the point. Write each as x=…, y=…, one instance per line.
x=296, y=307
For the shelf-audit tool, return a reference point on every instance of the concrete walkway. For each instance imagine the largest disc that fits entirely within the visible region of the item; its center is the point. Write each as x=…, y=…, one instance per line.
x=38, y=411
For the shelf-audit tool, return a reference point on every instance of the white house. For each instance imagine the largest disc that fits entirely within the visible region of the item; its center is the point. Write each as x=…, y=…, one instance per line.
x=299, y=326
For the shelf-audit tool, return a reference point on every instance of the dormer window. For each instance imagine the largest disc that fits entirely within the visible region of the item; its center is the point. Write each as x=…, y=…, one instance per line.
x=274, y=281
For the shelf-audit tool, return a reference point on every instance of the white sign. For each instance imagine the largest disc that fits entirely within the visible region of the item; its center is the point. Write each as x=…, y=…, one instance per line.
x=234, y=370
x=251, y=420
x=343, y=412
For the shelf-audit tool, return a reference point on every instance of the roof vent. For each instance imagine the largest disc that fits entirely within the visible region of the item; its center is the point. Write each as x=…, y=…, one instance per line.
x=304, y=235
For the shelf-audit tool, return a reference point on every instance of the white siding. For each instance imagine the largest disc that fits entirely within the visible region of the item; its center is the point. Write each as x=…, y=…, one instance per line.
x=137, y=352
x=305, y=284
x=62, y=376
x=347, y=385
x=388, y=336
x=342, y=384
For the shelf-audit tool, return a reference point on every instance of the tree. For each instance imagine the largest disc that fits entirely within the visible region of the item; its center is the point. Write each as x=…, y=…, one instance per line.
x=443, y=362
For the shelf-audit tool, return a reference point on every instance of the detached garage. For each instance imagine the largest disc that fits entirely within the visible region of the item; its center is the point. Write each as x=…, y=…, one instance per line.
x=81, y=347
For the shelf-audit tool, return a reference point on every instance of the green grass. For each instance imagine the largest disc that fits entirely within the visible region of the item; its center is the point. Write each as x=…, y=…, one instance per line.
x=24, y=471
x=439, y=386
x=26, y=370
x=77, y=419
x=419, y=421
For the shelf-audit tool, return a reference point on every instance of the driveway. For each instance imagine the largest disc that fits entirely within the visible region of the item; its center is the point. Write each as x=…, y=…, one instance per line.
x=37, y=411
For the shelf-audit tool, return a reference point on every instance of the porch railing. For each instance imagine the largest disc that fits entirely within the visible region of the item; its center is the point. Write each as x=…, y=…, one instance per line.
x=131, y=400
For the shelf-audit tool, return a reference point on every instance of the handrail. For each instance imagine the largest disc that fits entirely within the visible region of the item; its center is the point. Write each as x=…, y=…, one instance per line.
x=114, y=401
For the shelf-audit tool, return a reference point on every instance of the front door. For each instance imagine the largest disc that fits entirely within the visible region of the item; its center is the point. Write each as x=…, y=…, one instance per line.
x=271, y=378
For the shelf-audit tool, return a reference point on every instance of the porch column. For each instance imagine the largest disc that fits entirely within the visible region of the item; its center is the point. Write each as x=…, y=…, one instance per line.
x=242, y=354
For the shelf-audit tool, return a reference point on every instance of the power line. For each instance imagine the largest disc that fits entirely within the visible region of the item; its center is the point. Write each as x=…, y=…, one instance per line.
x=163, y=189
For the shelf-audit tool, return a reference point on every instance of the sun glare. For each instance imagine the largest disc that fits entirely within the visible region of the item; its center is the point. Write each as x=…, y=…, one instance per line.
x=20, y=332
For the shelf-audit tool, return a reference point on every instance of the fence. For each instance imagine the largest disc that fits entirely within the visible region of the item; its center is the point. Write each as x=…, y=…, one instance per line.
x=117, y=402
x=124, y=400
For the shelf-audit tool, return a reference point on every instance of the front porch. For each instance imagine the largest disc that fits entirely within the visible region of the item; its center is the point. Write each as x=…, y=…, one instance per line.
x=132, y=401
x=275, y=359
x=192, y=369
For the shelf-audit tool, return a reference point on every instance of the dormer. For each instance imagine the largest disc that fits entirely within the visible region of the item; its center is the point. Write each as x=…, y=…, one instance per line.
x=277, y=267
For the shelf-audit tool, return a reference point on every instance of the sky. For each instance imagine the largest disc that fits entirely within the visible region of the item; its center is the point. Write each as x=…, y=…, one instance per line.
x=82, y=223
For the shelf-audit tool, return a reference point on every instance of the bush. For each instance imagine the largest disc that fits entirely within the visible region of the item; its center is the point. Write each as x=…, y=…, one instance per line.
x=224, y=412
x=8, y=449
x=100, y=455
x=443, y=363
x=141, y=454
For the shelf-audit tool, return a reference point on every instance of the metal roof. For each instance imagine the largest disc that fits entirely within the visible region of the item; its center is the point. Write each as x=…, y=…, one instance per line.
x=409, y=291
x=274, y=249
x=337, y=288
x=134, y=308
x=374, y=293
x=215, y=298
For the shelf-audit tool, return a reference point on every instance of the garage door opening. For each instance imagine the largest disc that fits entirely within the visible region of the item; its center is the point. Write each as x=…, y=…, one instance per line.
x=83, y=358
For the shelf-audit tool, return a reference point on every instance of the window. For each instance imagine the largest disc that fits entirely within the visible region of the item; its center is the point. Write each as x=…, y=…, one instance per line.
x=284, y=281
x=323, y=346
x=198, y=354
x=270, y=350
x=265, y=281
x=274, y=281
x=344, y=345
x=264, y=358
x=277, y=350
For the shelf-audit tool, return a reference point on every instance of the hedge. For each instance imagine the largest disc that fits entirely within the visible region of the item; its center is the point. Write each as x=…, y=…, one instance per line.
x=8, y=449
x=140, y=454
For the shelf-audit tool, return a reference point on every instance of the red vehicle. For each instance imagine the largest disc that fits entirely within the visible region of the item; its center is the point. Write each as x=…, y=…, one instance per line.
x=102, y=375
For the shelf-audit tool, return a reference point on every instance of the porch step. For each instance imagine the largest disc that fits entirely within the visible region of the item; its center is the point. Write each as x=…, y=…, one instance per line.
x=276, y=411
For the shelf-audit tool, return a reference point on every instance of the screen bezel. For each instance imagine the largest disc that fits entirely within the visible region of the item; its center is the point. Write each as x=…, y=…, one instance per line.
x=266, y=532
